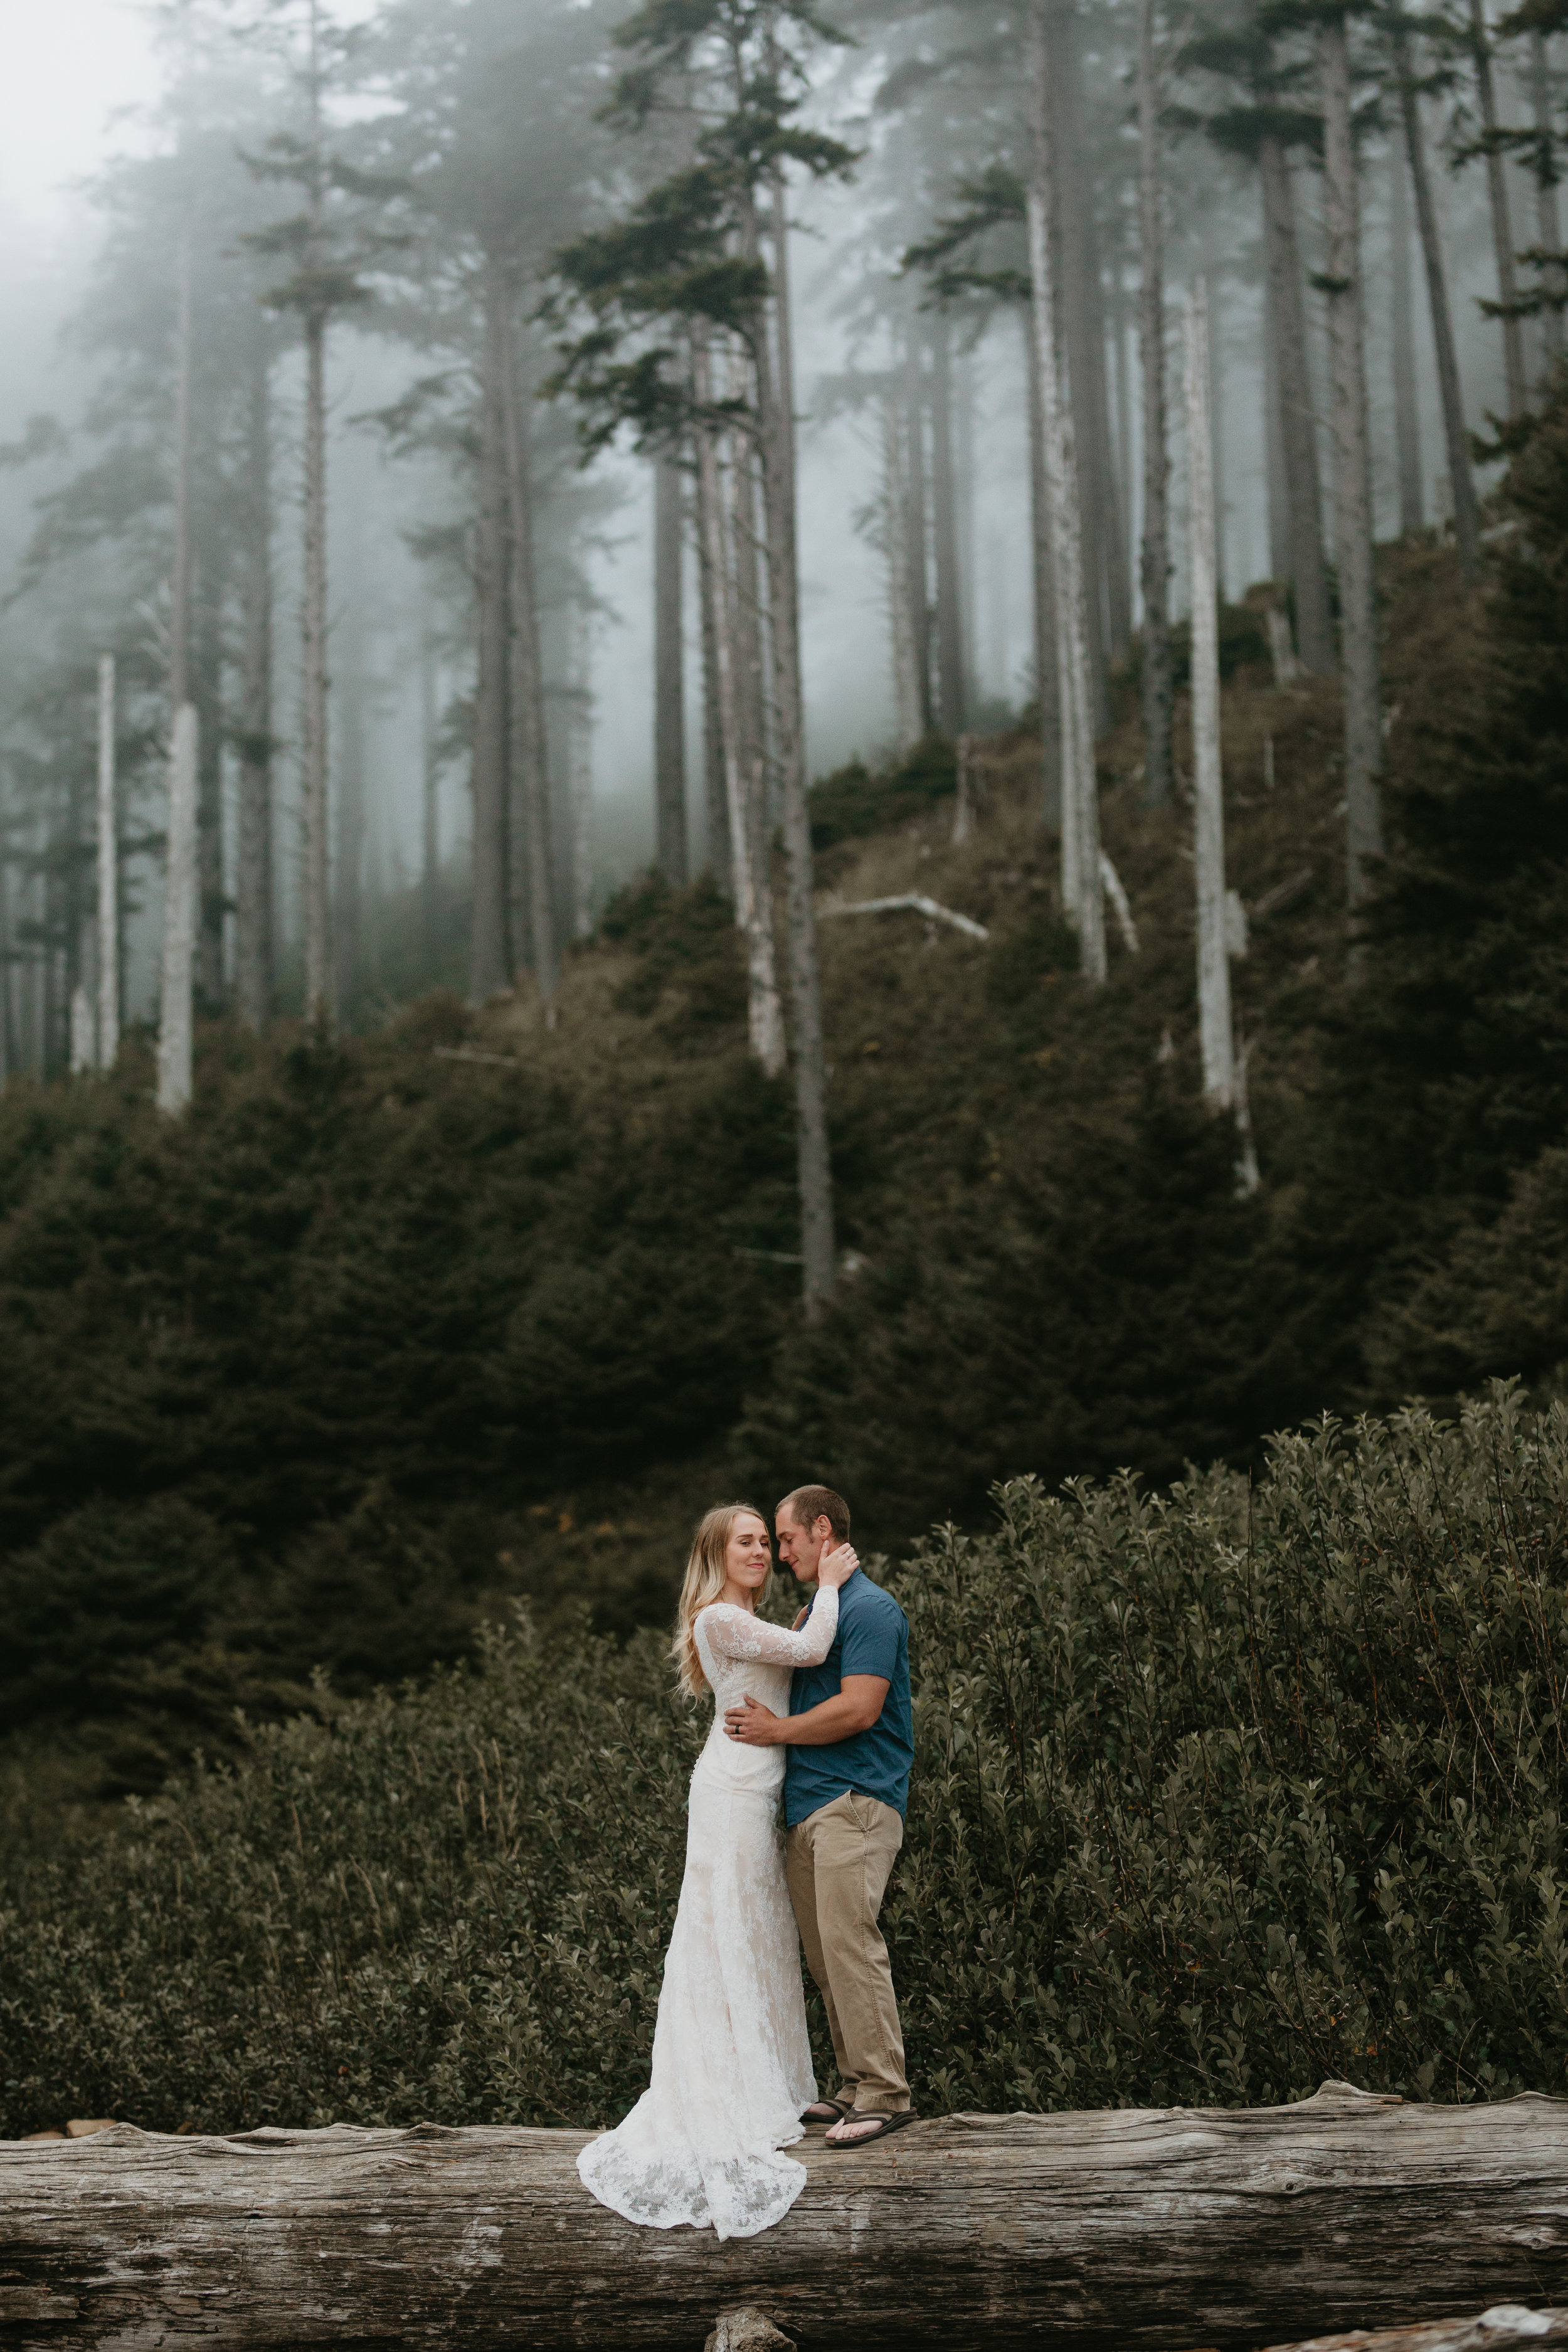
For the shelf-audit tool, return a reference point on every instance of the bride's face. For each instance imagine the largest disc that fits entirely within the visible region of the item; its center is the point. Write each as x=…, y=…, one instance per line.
x=748, y=1556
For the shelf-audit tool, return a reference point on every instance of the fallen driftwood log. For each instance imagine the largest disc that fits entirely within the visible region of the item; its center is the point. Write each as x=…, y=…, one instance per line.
x=1172, y=2230
x=1507, y=2327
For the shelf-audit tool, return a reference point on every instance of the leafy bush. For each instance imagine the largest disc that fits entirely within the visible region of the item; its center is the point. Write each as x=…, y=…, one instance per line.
x=853, y=800
x=1216, y=1794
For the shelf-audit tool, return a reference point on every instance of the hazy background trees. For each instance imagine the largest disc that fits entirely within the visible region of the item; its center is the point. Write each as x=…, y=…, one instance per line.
x=420, y=644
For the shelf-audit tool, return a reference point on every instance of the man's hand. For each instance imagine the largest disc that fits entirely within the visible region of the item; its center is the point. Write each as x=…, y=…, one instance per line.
x=754, y=1726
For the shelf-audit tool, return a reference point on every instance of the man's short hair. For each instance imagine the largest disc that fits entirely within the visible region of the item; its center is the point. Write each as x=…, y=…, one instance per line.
x=809, y=1504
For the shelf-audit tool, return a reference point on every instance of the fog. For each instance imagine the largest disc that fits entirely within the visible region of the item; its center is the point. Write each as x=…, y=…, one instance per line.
x=98, y=101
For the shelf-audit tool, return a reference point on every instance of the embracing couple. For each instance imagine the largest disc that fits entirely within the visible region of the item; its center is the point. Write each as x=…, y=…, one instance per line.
x=823, y=1710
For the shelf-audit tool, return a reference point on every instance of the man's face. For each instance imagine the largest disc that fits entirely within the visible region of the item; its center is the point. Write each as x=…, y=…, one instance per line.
x=800, y=1549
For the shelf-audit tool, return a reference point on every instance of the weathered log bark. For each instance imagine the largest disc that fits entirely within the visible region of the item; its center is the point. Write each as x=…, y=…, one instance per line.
x=1162, y=2228
x=1501, y=2329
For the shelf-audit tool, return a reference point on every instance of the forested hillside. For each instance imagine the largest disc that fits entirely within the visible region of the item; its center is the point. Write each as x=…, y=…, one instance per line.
x=390, y=1329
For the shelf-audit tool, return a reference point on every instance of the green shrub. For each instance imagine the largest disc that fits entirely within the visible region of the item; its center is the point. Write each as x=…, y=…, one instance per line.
x=852, y=801
x=1218, y=1794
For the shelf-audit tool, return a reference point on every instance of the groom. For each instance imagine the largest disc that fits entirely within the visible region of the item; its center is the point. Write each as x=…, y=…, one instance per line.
x=849, y=1733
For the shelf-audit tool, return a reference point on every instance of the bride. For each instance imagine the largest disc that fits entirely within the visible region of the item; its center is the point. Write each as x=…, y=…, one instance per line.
x=731, y=2063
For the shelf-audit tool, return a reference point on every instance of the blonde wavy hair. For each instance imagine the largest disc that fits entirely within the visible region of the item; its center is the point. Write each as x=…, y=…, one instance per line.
x=703, y=1583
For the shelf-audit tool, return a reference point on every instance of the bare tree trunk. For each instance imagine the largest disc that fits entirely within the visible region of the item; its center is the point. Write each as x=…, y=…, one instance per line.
x=430, y=806
x=319, y=1005
x=1208, y=790
x=1548, y=234
x=1406, y=414
x=963, y=411
x=206, y=688
x=1155, y=564
x=1083, y=319
x=1353, y=470
x=1082, y=899
x=1503, y=230
x=917, y=553
x=1461, y=481
x=764, y=1023
x=179, y=919
x=580, y=777
x=952, y=686
x=1048, y=680
x=1081, y=351
x=528, y=817
x=253, y=935
x=670, y=673
x=1225, y=1077
x=1214, y=342
x=738, y=479
x=10, y=1043
x=1274, y=452
x=1298, y=429
x=896, y=503
x=173, y=1084
x=720, y=849
x=813, y=1160
x=349, y=862
x=108, y=877
x=180, y=585
x=489, y=965
x=1121, y=409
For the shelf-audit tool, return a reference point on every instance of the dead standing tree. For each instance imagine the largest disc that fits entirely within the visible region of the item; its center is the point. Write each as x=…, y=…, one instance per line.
x=328, y=244
x=1082, y=900
x=689, y=256
x=1353, y=464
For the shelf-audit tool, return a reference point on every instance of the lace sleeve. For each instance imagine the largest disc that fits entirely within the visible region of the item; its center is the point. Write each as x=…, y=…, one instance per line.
x=736, y=1634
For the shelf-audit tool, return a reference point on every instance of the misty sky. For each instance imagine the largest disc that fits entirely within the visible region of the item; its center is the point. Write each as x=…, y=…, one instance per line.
x=70, y=65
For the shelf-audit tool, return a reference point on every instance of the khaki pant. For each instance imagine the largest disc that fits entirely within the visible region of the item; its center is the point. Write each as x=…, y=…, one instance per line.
x=839, y=1859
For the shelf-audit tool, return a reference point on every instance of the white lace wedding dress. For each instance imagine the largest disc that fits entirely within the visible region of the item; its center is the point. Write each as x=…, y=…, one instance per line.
x=731, y=2063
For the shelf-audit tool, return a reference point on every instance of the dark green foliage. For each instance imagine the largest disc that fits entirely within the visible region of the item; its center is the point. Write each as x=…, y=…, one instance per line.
x=1215, y=1795
x=1037, y=1327
x=1461, y=1031
x=279, y=1383
x=1242, y=644
x=106, y=1594
x=686, y=944
x=852, y=801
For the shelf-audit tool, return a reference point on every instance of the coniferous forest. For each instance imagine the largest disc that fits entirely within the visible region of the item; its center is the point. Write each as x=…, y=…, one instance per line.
x=744, y=742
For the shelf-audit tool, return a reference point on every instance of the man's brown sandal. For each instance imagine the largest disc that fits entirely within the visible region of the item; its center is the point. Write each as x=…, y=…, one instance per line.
x=841, y=2107
x=884, y=2123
